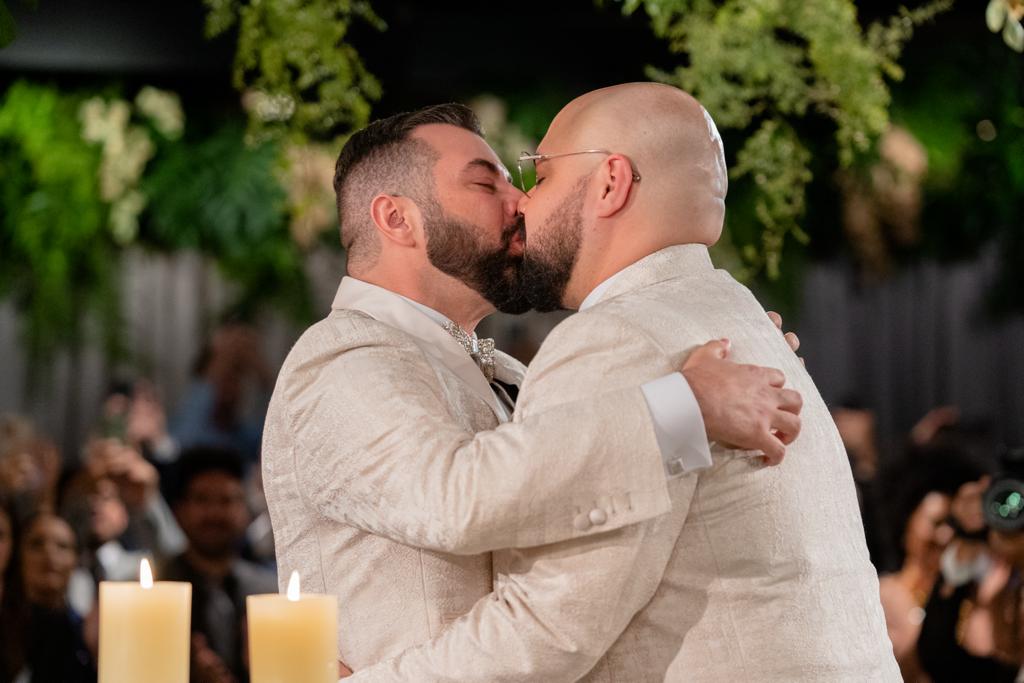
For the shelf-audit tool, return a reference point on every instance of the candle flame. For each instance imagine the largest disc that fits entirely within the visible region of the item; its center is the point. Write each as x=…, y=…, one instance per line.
x=293, y=587
x=146, y=574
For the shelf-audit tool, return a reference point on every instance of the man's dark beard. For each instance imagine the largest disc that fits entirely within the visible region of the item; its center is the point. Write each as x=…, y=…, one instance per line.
x=547, y=268
x=454, y=249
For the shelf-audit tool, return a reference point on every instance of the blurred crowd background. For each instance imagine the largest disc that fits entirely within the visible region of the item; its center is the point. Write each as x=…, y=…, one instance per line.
x=167, y=229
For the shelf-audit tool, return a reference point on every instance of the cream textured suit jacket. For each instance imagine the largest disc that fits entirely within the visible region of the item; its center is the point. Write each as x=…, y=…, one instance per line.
x=386, y=489
x=756, y=574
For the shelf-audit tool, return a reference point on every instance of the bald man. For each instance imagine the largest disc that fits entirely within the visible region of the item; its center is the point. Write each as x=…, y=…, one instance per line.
x=756, y=573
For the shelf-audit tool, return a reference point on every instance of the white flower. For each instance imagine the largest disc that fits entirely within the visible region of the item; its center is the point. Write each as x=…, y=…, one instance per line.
x=91, y=113
x=124, y=217
x=492, y=112
x=505, y=137
x=267, y=107
x=307, y=176
x=100, y=120
x=124, y=157
x=164, y=108
x=1007, y=15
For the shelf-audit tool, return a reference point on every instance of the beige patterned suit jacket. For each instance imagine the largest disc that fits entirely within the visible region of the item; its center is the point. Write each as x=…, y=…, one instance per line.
x=388, y=478
x=756, y=573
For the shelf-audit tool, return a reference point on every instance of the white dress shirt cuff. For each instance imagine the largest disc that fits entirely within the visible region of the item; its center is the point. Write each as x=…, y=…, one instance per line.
x=678, y=424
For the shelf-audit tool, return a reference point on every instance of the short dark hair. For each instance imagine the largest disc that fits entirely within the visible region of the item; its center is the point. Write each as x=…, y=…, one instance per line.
x=383, y=157
x=199, y=460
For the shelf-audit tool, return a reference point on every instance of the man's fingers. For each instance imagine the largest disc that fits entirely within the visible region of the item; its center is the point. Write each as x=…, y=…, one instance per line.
x=787, y=425
x=792, y=340
x=774, y=377
x=790, y=401
x=717, y=349
x=776, y=318
x=774, y=450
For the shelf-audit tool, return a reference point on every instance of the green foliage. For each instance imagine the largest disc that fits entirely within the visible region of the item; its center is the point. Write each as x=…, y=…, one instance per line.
x=220, y=196
x=298, y=75
x=60, y=240
x=55, y=252
x=778, y=164
x=769, y=68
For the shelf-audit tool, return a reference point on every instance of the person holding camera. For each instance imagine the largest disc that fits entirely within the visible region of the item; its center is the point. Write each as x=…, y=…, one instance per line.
x=973, y=628
x=993, y=626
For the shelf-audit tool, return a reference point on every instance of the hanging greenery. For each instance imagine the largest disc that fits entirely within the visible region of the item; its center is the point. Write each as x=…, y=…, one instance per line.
x=70, y=200
x=767, y=68
x=222, y=197
x=84, y=176
x=298, y=75
x=56, y=251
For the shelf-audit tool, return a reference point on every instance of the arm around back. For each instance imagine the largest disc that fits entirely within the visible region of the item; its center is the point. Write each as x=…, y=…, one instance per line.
x=375, y=445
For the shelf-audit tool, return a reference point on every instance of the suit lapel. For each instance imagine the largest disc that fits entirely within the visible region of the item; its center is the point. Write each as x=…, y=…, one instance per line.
x=391, y=309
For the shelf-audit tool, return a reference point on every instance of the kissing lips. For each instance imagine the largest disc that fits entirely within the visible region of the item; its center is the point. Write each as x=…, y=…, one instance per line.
x=517, y=243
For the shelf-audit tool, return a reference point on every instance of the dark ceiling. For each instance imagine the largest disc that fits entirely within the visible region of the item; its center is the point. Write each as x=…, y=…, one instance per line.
x=432, y=51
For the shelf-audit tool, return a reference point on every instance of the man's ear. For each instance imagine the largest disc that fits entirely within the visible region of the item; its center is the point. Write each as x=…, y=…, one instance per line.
x=616, y=177
x=397, y=219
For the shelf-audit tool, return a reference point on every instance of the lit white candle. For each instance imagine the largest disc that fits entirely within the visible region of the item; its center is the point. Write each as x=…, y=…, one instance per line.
x=144, y=630
x=293, y=638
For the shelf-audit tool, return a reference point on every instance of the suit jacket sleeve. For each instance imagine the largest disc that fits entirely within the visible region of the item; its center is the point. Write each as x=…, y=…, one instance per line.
x=375, y=446
x=556, y=609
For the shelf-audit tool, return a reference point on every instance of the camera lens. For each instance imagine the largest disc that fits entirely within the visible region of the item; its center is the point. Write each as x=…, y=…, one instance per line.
x=1004, y=505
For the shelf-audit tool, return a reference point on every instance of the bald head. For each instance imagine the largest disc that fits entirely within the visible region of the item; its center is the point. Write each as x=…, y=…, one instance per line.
x=671, y=140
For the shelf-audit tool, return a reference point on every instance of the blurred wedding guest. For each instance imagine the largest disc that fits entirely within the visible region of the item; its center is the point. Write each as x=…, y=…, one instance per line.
x=856, y=426
x=53, y=645
x=11, y=655
x=259, y=536
x=151, y=524
x=29, y=465
x=964, y=567
x=210, y=505
x=93, y=505
x=133, y=413
x=96, y=513
x=6, y=542
x=226, y=403
x=991, y=622
x=922, y=516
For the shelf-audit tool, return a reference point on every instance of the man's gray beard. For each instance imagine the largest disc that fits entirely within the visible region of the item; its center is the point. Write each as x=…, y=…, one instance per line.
x=548, y=268
x=454, y=248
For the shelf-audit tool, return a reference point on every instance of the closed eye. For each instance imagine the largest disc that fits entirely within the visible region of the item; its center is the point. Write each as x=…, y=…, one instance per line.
x=489, y=186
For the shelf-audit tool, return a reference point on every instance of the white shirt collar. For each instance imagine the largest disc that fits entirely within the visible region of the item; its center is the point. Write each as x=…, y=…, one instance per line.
x=597, y=292
x=436, y=316
x=440, y=318
x=421, y=322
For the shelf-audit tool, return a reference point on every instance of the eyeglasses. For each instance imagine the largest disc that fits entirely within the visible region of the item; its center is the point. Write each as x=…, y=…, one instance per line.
x=535, y=158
